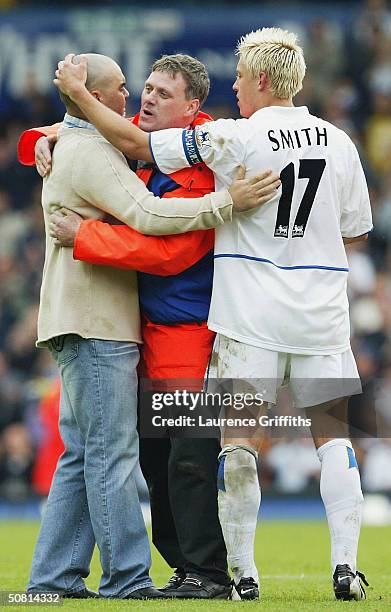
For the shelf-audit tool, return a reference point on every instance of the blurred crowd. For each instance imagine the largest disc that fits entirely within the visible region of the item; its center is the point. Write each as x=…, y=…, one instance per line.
x=349, y=84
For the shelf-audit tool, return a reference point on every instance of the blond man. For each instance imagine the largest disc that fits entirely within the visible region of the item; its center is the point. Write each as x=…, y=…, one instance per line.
x=289, y=259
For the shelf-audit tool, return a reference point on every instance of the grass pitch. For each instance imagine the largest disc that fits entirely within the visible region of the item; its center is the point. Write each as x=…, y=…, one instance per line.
x=293, y=559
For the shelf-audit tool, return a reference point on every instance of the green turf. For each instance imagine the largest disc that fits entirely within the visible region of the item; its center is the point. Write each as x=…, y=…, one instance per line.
x=293, y=559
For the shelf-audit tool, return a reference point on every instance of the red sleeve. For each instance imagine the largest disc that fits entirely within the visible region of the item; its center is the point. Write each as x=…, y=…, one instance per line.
x=121, y=246
x=28, y=139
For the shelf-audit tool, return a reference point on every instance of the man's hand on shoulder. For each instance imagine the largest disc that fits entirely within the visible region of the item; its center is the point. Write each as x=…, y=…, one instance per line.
x=43, y=154
x=64, y=225
x=250, y=193
x=71, y=74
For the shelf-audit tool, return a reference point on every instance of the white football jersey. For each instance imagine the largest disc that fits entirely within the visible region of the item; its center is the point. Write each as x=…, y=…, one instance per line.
x=281, y=269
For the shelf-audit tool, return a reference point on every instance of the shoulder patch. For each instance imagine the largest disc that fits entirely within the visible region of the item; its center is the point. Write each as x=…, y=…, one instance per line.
x=202, y=137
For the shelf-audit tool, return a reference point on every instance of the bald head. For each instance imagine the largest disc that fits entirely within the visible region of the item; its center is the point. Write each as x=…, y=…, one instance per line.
x=104, y=80
x=100, y=68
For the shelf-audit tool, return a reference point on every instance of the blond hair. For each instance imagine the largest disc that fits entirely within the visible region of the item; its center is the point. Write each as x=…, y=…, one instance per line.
x=275, y=52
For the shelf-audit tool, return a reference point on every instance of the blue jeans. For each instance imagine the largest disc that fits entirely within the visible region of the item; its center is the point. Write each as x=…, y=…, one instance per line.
x=93, y=496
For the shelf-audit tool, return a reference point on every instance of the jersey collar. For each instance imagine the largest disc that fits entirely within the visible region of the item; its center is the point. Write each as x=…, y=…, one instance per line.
x=280, y=110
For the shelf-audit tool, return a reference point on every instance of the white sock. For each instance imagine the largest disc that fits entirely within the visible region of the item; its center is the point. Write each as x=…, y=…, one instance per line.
x=340, y=488
x=239, y=497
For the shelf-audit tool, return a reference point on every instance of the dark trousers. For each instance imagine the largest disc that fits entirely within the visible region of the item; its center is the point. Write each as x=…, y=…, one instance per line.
x=181, y=476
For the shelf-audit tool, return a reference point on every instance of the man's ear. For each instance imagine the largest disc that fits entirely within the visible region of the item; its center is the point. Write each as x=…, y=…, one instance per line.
x=193, y=107
x=96, y=94
x=263, y=82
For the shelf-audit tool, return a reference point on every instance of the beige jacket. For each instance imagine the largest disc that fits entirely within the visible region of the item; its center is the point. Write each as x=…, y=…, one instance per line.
x=92, y=178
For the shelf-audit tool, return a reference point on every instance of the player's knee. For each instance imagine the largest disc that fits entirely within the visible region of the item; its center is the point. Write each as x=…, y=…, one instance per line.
x=237, y=468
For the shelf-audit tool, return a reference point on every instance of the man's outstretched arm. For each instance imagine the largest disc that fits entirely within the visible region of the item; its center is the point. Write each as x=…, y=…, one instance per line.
x=120, y=246
x=128, y=138
x=123, y=247
x=120, y=193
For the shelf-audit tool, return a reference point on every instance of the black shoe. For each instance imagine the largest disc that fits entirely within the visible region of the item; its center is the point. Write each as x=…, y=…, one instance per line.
x=83, y=594
x=175, y=582
x=347, y=584
x=200, y=587
x=146, y=593
x=247, y=588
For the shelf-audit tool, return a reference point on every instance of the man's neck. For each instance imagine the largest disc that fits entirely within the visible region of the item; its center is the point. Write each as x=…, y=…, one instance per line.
x=273, y=101
x=74, y=111
x=78, y=116
x=72, y=121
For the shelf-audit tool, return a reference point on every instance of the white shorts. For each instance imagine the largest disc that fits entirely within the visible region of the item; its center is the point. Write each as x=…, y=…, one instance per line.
x=312, y=379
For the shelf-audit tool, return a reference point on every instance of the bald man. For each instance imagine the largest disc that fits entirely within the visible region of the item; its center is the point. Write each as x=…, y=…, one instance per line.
x=89, y=320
